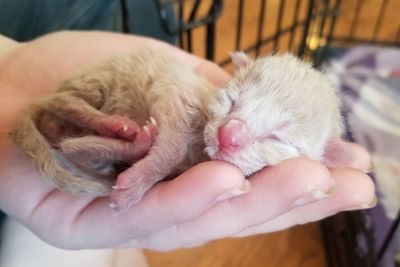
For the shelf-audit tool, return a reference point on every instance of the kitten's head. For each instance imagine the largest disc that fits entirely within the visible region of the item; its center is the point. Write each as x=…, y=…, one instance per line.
x=257, y=119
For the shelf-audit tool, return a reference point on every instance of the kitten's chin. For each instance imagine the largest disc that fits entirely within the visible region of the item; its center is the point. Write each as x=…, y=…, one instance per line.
x=220, y=155
x=215, y=154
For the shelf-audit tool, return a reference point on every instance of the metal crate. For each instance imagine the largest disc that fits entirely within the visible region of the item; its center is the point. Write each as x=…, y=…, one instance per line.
x=313, y=27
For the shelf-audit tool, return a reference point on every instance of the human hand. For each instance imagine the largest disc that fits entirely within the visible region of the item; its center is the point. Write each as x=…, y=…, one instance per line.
x=200, y=205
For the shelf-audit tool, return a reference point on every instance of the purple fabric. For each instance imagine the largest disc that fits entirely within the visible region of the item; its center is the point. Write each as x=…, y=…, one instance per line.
x=369, y=84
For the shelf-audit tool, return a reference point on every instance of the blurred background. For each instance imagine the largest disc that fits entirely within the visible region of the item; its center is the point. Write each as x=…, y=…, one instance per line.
x=356, y=42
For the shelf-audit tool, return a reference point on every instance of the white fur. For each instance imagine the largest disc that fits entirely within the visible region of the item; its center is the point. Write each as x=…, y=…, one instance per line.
x=268, y=93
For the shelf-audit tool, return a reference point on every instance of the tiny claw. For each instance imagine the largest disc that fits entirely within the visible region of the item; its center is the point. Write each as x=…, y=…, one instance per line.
x=153, y=121
x=146, y=129
x=125, y=127
x=112, y=205
x=119, y=187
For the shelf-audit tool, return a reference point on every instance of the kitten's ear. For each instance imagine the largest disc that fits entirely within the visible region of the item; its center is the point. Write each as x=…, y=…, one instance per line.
x=338, y=153
x=240, y=60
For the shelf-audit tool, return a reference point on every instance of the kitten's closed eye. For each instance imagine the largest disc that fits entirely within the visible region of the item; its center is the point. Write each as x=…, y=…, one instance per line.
x=270, y=136
x=232, y=101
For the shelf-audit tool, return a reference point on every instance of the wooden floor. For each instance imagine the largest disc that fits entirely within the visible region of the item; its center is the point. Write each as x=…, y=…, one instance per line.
x=296, y=247
x=300, y=246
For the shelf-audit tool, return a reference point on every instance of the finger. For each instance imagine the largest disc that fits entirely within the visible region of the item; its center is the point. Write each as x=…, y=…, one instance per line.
x=354, y=190
x=168, y=203
x=341, y=153
x=274, y=191
x=362, y=160
x=212, y=72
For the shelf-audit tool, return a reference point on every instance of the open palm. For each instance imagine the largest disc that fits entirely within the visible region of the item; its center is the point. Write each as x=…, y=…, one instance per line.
x=211, y=200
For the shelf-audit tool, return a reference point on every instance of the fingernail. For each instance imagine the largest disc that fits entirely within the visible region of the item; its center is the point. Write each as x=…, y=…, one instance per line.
x=313, y=196
x=234, y=192
x=371, y=167
x=332, y=188
x=372, y=204
x=353, y=156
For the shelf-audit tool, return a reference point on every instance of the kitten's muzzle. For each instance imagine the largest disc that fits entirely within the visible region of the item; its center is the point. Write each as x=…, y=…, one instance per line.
x=233, y=135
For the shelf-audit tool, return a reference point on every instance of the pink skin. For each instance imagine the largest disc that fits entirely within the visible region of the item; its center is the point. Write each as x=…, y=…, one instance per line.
x=118, y=126
x=147, y=137
x=172, y=214
x=233, y=135
x=227, y=218
x=122, y=127
x=84, y=148
x=337, y=154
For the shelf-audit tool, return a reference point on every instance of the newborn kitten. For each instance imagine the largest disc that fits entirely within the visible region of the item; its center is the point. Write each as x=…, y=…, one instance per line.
x=273, y=108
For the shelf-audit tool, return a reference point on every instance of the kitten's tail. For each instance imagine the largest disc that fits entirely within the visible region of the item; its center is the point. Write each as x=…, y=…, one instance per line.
x=27, y=136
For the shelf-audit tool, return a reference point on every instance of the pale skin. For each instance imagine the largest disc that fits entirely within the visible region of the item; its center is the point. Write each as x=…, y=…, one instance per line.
x=207, y=202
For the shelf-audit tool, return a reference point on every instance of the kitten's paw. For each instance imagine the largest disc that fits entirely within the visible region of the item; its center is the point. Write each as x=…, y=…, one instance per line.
x=146, y=136
x=119, y=127
x=123, y=198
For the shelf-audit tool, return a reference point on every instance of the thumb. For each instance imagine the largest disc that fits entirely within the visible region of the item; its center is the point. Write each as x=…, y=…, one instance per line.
x=212, y=72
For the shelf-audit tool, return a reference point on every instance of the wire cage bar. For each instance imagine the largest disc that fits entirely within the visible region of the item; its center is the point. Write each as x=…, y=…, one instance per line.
x=314, y=26
x=182, y=26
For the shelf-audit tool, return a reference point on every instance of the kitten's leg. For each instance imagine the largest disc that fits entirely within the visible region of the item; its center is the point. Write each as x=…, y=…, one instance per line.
x=102, y=148
x=170, y=148
x=164, y=156
x=80, y=98
x=82, y=112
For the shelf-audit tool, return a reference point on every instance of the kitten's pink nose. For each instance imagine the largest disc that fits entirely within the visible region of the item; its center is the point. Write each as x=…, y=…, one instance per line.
x=233, y=135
